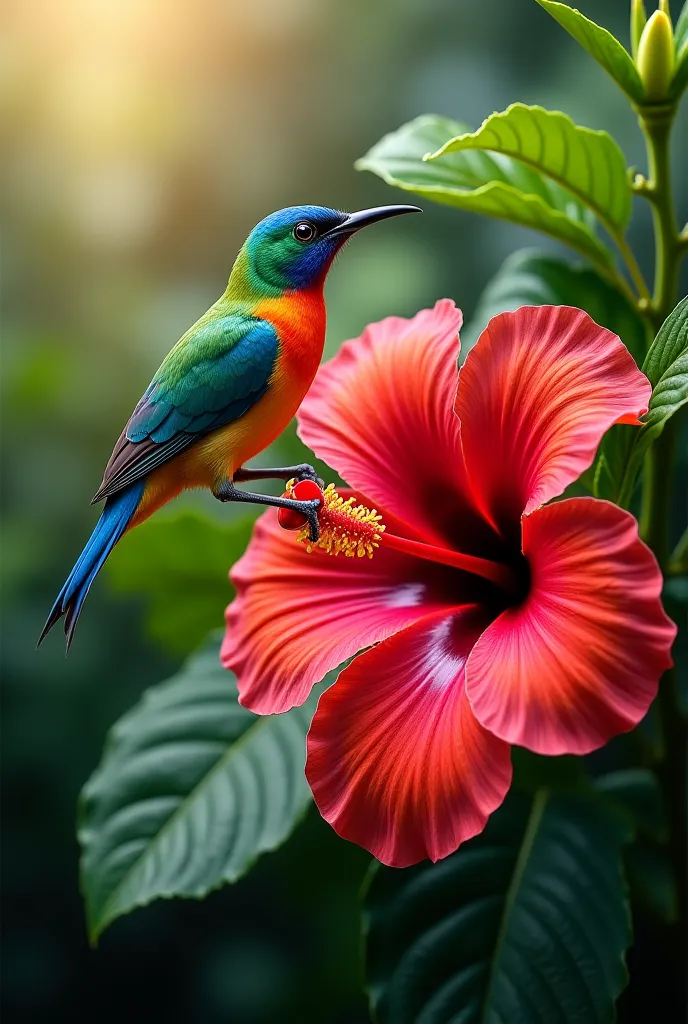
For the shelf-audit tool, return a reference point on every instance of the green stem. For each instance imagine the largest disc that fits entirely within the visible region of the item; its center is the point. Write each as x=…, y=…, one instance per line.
x=656, y=507
x=656, y=122
x=632, y=267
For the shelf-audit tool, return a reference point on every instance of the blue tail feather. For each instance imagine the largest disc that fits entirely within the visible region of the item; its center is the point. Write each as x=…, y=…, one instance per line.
x=113, y=522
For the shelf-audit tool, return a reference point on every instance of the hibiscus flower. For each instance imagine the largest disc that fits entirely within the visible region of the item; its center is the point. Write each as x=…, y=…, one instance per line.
x=488, y=615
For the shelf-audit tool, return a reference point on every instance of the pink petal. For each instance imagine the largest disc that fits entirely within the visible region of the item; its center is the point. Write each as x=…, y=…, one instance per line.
x=381, y=414
x=298, y=615
x=580, y=659
x=396, y=760
x=535, y=396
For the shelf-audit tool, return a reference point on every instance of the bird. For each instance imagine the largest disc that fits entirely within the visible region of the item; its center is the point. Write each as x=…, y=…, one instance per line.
x=226, y=390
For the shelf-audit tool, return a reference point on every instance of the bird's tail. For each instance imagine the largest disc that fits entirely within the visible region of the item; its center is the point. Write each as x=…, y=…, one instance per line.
x=113, y=522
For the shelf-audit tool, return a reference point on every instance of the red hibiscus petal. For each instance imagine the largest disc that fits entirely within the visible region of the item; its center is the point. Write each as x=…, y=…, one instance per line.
x=580, y=659
x=535, y=396
x=381, y=414
x=298, y=615
x=396, y=759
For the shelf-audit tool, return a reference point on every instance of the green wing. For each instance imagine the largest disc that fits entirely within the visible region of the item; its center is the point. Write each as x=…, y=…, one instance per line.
x=209, y=379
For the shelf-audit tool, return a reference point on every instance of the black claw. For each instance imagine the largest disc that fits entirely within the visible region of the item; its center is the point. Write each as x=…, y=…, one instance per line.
x=306, y=472
x=224, y=493
x=313, y=530
x=310, y=510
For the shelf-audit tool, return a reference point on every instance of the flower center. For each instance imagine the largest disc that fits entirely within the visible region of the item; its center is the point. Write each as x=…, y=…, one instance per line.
x=345, y=527
x=354, y=530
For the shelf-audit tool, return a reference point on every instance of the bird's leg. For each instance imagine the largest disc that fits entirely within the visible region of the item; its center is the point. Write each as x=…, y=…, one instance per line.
x=301, y=472
x=226, y=491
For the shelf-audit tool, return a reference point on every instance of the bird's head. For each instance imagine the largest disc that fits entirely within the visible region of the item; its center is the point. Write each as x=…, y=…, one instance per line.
x=293, y=248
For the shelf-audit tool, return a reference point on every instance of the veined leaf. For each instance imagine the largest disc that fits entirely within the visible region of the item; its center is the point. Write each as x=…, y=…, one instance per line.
x=600, y=44
x=490, y=184
x=611, y=462
x=588, y=163
x=666, y=364
x=180, y=565
x=532, y=278
x=669, y=345
x=527, y=923
x=191, y=789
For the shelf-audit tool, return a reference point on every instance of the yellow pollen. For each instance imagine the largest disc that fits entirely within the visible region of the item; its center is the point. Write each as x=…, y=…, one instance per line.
x=345, y=528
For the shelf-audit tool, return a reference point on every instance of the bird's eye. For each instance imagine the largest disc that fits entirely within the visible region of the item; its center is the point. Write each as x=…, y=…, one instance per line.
x=304, y=231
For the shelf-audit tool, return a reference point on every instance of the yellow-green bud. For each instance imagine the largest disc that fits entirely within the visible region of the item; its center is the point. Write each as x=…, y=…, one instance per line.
x=655, y=58
x=664, y=6
x=638, y=23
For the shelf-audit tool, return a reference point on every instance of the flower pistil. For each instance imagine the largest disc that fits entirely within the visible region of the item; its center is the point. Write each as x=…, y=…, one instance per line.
x=345, y=527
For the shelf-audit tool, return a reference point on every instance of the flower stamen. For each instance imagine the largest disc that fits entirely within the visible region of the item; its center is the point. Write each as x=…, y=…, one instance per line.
x=345, y=528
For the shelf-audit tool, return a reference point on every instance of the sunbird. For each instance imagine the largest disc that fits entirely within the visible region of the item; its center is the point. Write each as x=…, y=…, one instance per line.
x=227, y=389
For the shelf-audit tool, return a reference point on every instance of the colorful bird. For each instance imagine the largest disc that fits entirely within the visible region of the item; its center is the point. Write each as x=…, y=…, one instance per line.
x=227, y=389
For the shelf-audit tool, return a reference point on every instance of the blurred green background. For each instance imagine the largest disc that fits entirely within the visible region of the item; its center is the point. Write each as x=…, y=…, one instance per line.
x=142, y=140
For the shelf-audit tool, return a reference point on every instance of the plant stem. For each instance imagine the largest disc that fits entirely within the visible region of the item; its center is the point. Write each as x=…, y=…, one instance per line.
x=632, y=266
x=656, y=507
x=656, y=122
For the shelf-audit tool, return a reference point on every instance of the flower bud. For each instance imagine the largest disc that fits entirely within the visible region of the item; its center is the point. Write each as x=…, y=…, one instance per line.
x=655, y=58
x=638, y=23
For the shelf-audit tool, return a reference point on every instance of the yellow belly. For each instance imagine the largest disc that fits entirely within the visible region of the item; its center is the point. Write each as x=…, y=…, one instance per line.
x=216, y=457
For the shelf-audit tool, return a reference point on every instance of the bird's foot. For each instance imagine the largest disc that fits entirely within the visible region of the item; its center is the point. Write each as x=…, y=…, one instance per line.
x=225, y=491
x=310, y=510
x=306, y=472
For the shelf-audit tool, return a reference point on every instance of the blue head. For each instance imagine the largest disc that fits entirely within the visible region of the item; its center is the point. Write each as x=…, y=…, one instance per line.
x=292, y=249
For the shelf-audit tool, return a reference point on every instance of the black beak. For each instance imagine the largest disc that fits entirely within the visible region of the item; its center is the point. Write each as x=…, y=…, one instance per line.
x=356, y=221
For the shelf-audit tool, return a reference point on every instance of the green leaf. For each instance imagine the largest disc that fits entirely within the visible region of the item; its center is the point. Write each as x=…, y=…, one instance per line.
x=588, y=163
x=491, y=184
x=192, y=788
x=527, y=923
x=532, y=278
x=670, y=344
x=666, y=364
x=180, y=564
x=600, y=44
x=611, y=463
x=680, y=79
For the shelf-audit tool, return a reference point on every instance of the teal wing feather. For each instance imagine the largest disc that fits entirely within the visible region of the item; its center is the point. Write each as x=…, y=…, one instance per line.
x=209, y=379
